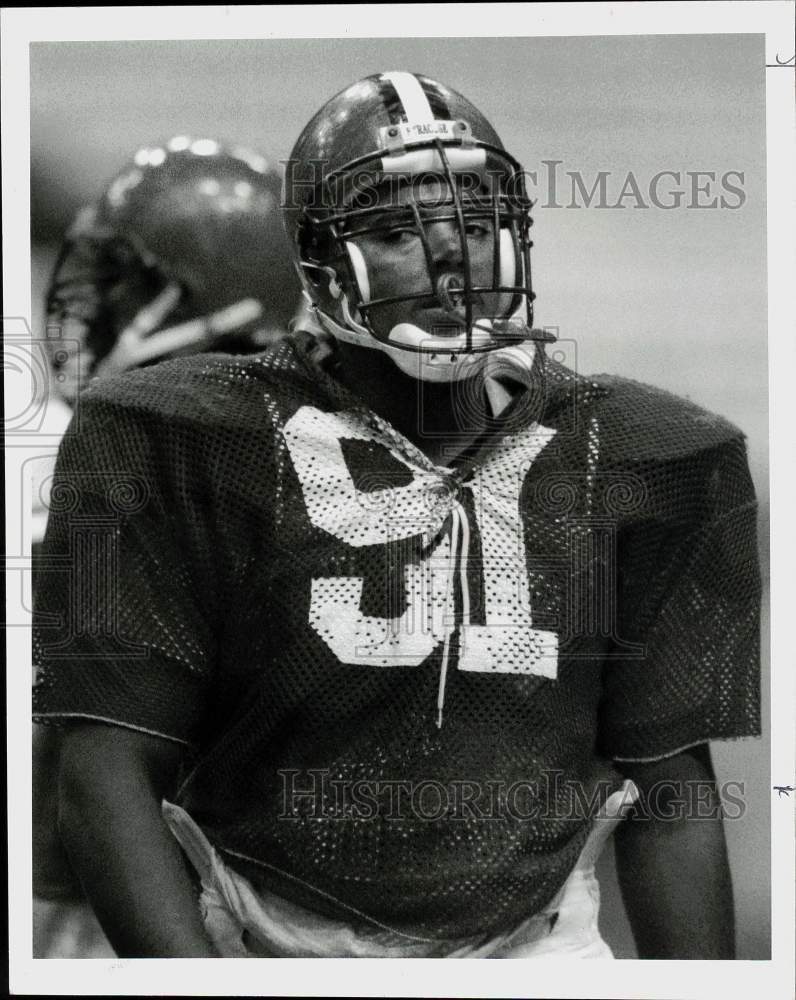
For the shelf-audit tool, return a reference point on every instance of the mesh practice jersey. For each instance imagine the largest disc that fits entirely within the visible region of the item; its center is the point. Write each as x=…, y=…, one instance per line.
x=400, y=687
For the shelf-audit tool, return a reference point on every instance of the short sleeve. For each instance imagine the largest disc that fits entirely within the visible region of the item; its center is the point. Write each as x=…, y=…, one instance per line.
x=123, y=627
x=686, y=668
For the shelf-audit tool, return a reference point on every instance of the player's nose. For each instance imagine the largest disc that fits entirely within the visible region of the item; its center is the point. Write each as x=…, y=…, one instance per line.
x=445, y=242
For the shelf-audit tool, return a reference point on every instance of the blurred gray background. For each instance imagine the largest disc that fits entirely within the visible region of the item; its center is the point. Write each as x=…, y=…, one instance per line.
x=674, y=297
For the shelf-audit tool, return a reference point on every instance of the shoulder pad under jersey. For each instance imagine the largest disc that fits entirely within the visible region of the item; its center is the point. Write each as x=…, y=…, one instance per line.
x=639, y=423
x=207, y=388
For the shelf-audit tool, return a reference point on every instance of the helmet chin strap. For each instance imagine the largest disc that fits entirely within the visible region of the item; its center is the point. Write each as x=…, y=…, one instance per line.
x=432, y=359
x=437, y=359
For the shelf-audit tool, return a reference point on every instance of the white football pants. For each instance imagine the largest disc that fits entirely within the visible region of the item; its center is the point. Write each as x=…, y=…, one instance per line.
x=244, y=923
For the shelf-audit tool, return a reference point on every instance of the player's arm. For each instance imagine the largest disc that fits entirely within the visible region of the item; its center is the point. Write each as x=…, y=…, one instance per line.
x=673, y=872
x=111, y=784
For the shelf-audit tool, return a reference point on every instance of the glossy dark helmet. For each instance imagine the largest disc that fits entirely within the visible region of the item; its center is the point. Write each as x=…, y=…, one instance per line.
x=398, y=131
x=183, y=252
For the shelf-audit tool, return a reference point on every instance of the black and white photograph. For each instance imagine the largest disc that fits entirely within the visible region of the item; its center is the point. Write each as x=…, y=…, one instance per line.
x=399, y=487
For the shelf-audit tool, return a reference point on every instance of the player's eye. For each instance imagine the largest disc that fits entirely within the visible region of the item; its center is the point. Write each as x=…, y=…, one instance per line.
x=477, y=229
x=396, y=237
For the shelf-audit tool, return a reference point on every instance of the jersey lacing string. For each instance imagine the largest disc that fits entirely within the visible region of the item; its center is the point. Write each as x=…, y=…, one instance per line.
x=460, y=526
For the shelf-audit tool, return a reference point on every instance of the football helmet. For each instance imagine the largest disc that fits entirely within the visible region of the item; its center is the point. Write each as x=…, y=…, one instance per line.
x=385, y=130
x=183, y=252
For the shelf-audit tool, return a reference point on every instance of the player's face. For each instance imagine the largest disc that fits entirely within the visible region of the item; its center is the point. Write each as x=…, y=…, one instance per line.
x=397, y=265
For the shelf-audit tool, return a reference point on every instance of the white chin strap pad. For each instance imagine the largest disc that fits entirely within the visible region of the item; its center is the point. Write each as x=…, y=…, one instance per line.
x=408, y=335
x=436, y=359
x=434, y=367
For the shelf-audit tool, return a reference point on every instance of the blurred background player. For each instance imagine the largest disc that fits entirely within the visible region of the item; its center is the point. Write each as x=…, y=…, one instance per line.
x=184, y=252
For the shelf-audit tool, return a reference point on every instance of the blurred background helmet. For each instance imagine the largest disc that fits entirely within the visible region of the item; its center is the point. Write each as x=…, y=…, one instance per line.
x=183, y=252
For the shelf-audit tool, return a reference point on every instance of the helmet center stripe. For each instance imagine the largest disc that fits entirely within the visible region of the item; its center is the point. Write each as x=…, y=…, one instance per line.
x=411, y=95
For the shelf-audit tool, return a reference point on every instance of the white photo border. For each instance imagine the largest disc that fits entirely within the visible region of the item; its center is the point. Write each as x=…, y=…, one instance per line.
x=341, y=977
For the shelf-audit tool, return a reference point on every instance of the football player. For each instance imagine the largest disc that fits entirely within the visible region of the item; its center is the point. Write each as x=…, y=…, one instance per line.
x=184, y=252
x=406, y=615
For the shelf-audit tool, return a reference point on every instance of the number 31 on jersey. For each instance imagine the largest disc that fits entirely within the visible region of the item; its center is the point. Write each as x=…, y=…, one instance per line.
x=506, y=642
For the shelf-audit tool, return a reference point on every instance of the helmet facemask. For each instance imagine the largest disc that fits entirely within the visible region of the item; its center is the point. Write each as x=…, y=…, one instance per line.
x=478, y=185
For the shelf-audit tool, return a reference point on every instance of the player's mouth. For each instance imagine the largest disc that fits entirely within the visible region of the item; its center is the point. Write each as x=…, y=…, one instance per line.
x=444, y=314
x=441, y=322
x=450, y=293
